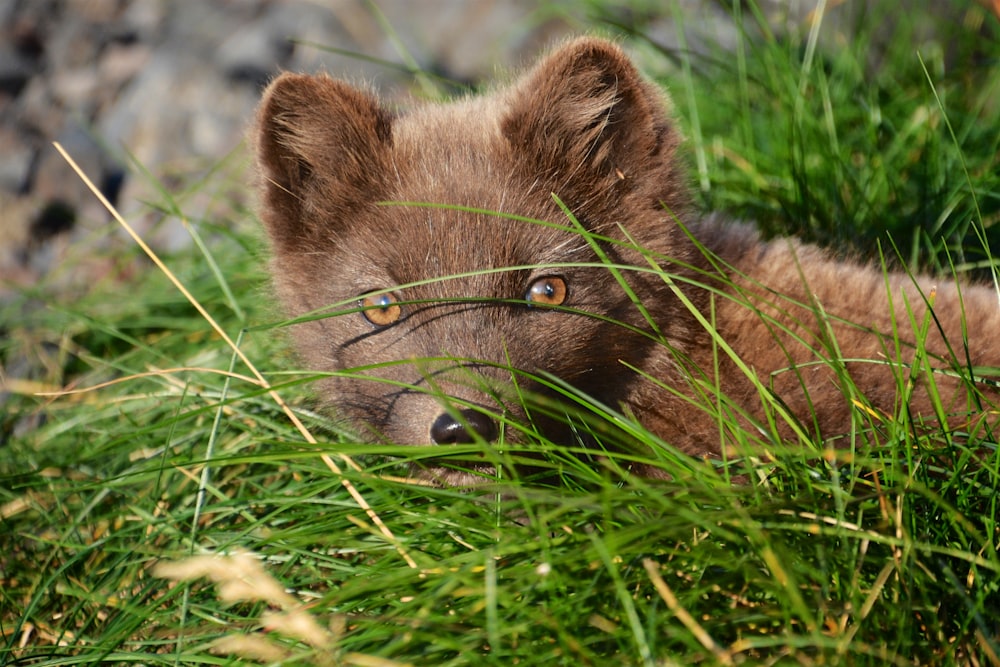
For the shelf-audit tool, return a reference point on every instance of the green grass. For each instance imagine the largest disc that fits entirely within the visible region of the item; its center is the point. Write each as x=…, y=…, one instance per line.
x=173, y=449
x=886, y=134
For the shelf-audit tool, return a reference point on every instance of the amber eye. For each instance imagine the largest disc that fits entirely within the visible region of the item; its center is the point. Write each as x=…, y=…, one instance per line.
x=380, y=309
x=549, y=291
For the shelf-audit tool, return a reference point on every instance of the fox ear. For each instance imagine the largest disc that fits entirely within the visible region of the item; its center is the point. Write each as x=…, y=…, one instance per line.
x=322, y=151
x=587, y=118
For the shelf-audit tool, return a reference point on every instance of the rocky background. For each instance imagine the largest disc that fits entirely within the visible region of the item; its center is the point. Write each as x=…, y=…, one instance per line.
x=168, y=87
x=151, y=94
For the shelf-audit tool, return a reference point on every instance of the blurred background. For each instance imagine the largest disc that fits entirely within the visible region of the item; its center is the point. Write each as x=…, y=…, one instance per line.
x=152, y=95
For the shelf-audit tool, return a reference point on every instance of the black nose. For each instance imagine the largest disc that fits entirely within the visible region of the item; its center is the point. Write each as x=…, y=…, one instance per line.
x=462, y=428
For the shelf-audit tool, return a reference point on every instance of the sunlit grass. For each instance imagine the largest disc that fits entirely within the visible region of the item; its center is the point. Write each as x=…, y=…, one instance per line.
x=168, y=495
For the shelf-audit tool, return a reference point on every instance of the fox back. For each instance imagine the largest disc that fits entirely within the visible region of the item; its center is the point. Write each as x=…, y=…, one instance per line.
x=475, y=248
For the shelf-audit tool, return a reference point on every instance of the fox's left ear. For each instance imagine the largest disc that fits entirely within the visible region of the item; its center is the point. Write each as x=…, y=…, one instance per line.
x=591, y=123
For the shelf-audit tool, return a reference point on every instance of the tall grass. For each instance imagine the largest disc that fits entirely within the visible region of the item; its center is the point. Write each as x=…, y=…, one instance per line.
x=158, y=505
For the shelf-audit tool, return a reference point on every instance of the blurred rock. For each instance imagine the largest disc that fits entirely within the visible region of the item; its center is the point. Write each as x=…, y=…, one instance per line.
x=134, y=86
x=144, y=93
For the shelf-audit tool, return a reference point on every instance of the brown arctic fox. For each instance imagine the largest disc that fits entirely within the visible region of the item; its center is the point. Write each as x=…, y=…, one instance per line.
x=482, y=247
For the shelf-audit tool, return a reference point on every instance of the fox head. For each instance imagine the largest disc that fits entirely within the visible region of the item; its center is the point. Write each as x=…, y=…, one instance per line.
x=473, y=246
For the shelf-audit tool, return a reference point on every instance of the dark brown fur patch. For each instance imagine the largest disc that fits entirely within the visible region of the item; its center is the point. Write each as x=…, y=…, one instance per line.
x=585, y=126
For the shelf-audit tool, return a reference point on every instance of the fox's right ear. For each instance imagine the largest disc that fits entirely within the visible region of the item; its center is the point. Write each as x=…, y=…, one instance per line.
x=322, y=151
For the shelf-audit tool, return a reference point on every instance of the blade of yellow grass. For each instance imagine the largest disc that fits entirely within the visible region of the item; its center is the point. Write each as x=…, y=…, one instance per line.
x=160, y=372
x=358, y=498
x=695, y=628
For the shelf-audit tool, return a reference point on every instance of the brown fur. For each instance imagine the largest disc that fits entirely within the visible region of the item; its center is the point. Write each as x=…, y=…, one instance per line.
x=583, y=125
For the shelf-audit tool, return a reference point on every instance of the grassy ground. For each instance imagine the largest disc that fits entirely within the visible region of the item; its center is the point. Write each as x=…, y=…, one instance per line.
x=163, y=448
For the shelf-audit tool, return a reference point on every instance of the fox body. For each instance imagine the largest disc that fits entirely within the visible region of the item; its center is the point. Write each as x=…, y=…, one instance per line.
x=565, y=244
